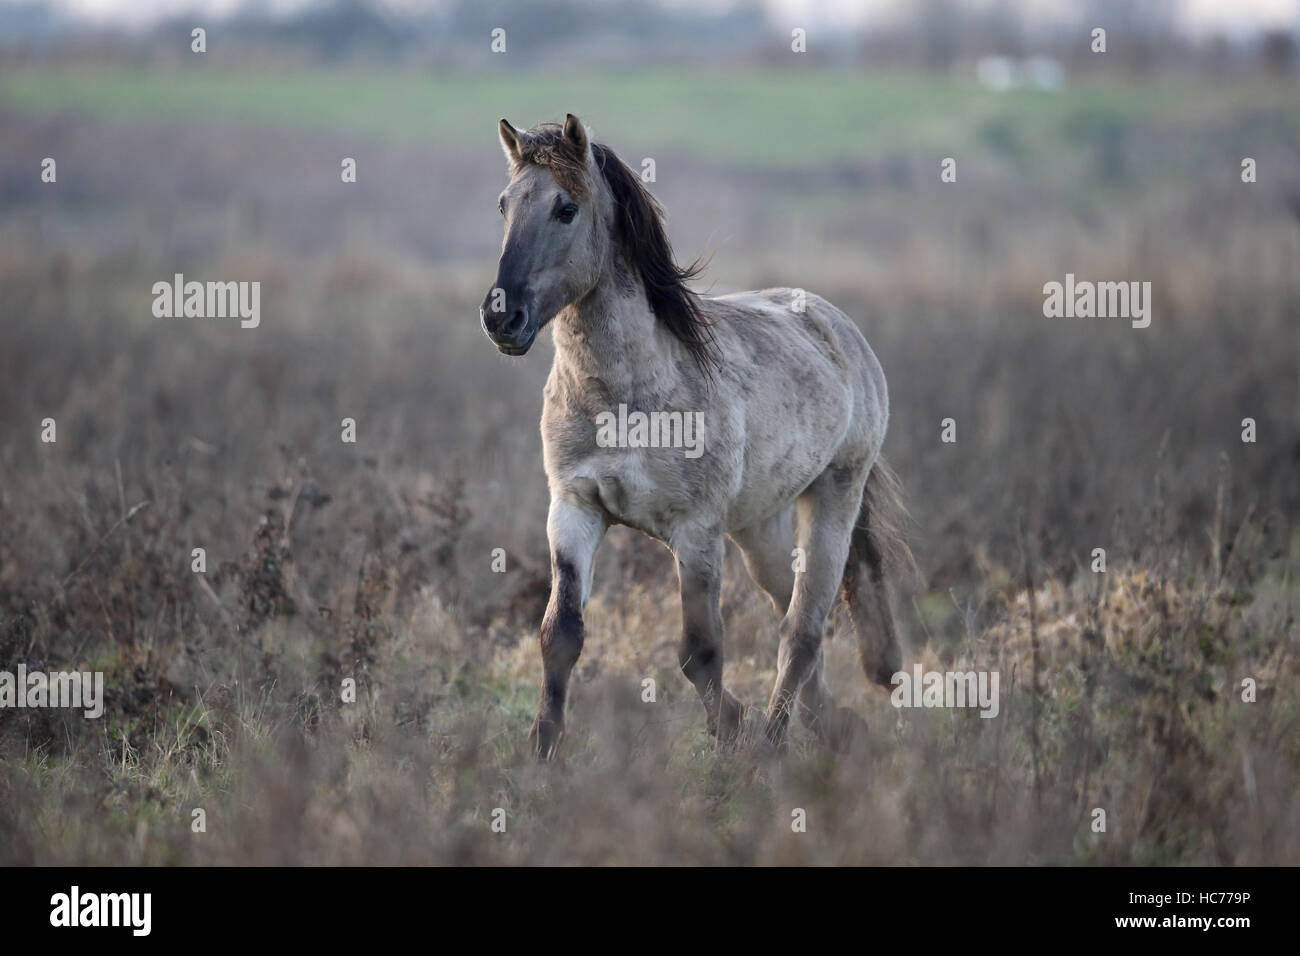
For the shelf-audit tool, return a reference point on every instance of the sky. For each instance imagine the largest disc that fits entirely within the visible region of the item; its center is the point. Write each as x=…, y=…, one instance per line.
x=1199, y=16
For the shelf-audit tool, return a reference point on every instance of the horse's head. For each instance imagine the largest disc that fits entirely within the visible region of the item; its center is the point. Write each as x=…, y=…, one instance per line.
x=557, y=232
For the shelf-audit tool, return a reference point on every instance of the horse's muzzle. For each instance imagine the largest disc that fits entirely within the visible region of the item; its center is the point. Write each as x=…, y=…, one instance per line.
x=512, y=331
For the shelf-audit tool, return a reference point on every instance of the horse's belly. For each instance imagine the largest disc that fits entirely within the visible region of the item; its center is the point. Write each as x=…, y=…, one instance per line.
x=781, y=462
x=769, y=489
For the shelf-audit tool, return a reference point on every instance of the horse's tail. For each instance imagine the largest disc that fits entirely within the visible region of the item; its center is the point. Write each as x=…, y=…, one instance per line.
x=877, y=545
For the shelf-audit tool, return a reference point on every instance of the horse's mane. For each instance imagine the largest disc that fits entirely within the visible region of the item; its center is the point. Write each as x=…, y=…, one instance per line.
x=639, y=232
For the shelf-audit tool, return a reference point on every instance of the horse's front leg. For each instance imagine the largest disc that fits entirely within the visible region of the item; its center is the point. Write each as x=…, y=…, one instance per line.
x=699, y=572
x=574, y=531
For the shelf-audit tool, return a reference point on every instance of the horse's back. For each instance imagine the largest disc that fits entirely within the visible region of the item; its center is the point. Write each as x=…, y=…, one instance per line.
x=813, y=390
x=798, y=313
x=793, y=329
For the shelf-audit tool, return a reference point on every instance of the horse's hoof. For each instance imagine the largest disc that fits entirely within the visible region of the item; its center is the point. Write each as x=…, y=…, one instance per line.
x=730, y=722
x=544, y=738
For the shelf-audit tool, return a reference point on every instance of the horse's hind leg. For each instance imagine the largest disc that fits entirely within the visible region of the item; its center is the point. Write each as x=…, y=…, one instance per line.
x=573, y=532
x=834, y=726
x=827, y=511
x=768, y=556
x=699, y=572
x=767, y=547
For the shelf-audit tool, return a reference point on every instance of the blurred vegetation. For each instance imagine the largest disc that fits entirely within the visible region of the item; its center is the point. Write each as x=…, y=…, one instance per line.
x=789, y=117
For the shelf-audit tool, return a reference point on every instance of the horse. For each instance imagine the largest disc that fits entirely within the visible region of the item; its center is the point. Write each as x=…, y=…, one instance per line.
x=794, y=407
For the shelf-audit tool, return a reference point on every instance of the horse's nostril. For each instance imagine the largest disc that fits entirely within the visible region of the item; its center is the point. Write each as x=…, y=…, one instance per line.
x=518, y=319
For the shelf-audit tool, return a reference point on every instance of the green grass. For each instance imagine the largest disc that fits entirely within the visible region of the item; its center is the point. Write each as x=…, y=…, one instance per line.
x=769, y=118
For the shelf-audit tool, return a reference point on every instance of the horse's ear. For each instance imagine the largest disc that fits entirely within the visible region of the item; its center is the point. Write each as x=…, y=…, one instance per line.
x=575, y=136
x=510, y=142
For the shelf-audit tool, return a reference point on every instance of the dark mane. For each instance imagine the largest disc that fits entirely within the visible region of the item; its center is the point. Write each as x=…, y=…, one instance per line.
x=639, y=232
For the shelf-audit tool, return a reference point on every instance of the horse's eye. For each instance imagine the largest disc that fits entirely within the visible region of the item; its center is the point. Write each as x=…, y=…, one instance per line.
x=501, y=206
x=567, y=212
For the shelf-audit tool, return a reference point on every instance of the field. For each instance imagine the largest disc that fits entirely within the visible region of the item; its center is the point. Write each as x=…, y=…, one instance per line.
x=372, y=561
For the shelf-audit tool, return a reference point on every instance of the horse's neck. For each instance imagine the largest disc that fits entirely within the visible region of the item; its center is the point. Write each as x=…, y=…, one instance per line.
x=612, y=335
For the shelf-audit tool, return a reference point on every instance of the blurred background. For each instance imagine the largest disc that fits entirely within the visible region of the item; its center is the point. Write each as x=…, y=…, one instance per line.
x=817, y=169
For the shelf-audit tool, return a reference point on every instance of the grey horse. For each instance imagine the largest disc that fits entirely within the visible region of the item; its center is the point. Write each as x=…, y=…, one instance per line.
x=791, y=406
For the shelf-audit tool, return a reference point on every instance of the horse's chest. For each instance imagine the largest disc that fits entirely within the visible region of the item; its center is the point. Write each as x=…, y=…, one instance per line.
x=647, y=471
x=632, y=490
